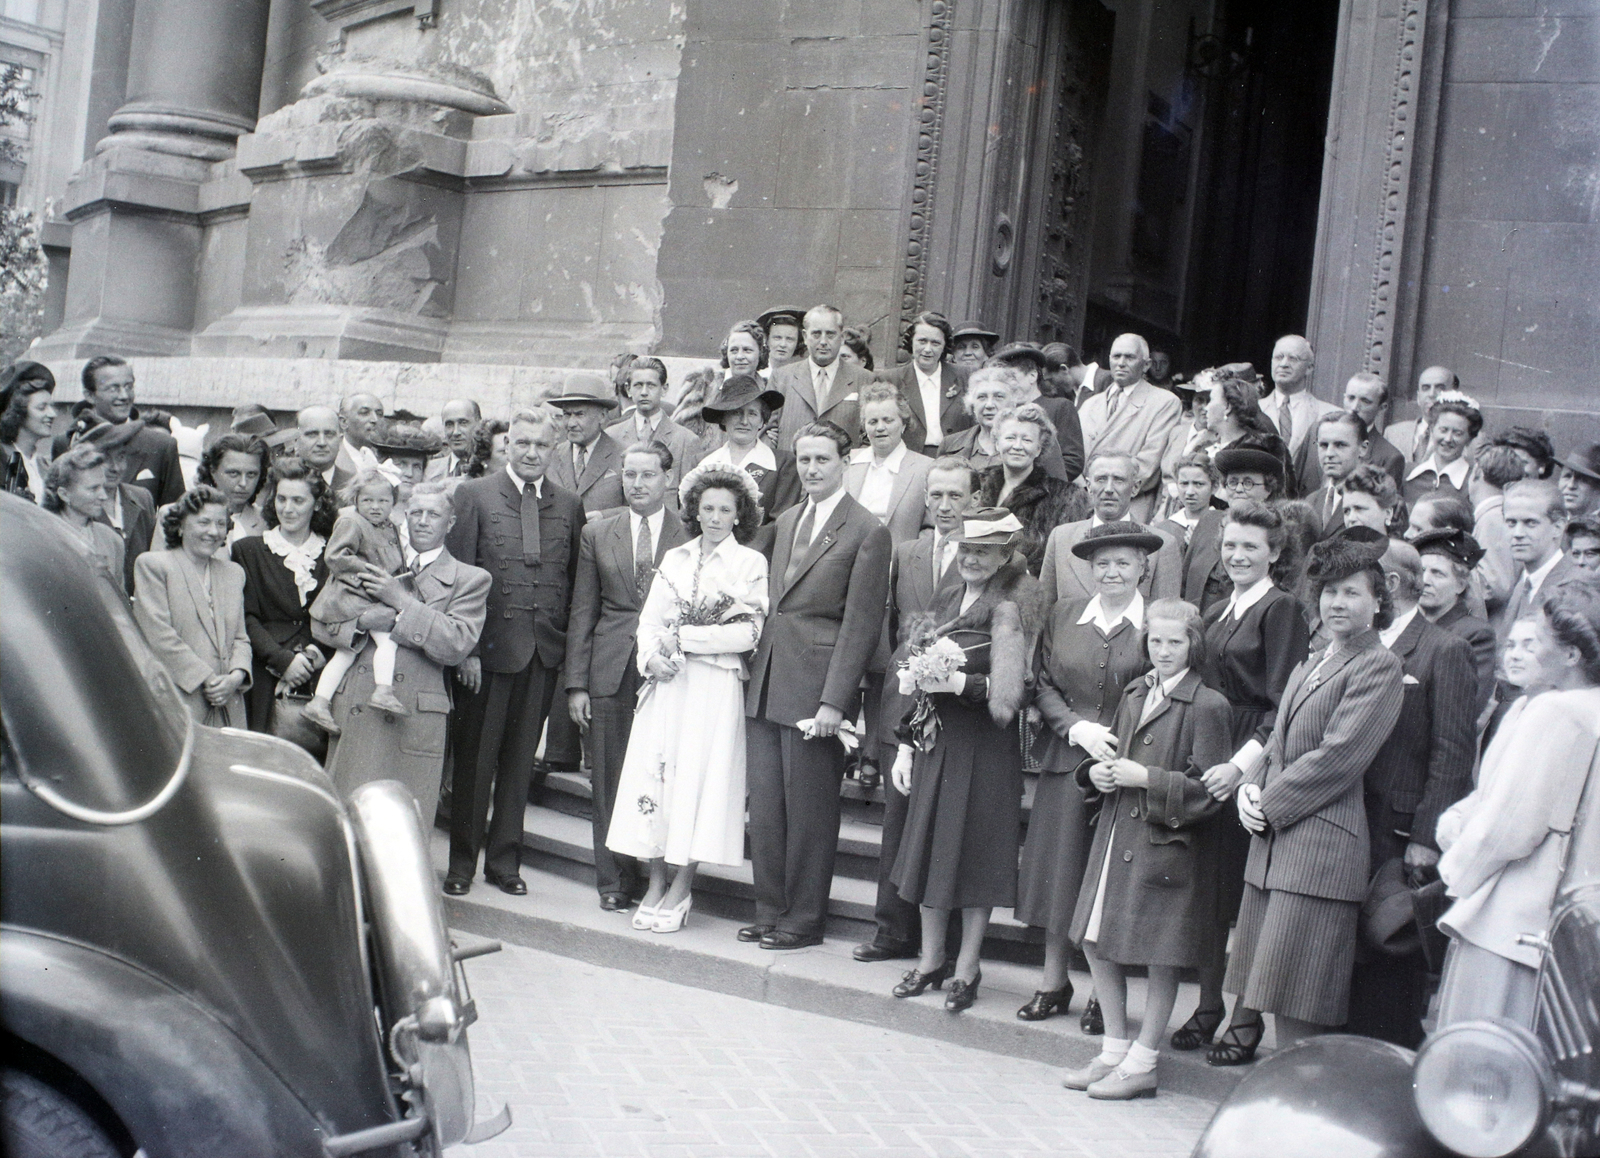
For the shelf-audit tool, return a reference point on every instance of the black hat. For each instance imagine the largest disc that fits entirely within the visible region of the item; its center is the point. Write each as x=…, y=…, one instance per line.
x=793, y=314
x=19, y=372
x=1242, y=371
x=1388, y=916
x=1346, y=551
x=737, y=392
x=1250, y=454
x=1022, y=352
x=1452, y=543
x=1123, y=534
x=407, y=442
x=974, y=330
x=92, y=430
x=1585, y=462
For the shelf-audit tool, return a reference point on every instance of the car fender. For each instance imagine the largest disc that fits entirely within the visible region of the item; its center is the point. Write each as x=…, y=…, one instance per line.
x=183, y=1084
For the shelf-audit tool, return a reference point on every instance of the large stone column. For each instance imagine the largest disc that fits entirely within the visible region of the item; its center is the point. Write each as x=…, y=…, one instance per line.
x=194, y=77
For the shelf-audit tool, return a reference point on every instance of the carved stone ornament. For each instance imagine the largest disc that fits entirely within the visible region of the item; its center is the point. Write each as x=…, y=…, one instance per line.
x=930, y=128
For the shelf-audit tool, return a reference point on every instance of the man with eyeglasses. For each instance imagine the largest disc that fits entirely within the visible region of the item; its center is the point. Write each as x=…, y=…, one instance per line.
x=152, y=453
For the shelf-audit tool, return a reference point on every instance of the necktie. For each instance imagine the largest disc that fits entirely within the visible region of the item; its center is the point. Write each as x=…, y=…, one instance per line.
x=1286, y=423
x=1524, y=598
x=802, y=544
x=1153, y=700
x=530, y=524
x=1113, y=400
x=942, y=554
x=824, y=387
x=580, y=459
x=1419, y=444
x=1327, y=503
x=644, y=561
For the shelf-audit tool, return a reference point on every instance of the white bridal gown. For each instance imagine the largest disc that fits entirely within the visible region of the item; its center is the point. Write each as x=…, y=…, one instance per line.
x=681, y=794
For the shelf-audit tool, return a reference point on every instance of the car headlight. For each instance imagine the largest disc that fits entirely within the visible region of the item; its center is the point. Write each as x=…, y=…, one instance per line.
x=1483, y=1088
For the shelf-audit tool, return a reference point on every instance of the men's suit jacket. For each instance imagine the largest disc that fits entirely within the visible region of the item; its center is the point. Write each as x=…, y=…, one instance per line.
x=686, y=447
x=823, y=627
x=444, y=466
x=801, y=404
x=1328, y=507
x=1519, y=606
x=1140, y=426
x=1069, y=433
x=1097, y=383
x=1328, y=730
x=912, y=596
x=600, y=488
x=1384, y=455
x=1403, y=437
x=138, y=527
x=1065, y=576
x=908, y=497
x=1304, y=468
x=1425, y=765
x=528, y=606
x=1201, y=555
x=602, y=631
x=953, y=414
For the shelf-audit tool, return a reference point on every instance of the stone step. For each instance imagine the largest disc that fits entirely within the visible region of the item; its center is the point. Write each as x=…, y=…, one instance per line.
x=560, y=914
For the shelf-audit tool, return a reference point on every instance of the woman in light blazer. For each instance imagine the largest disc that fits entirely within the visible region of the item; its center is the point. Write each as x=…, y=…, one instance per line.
x=1295, y=938
x=190, y=606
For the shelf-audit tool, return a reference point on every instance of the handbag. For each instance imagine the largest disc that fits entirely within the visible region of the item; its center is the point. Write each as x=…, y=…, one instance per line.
x=288, y=722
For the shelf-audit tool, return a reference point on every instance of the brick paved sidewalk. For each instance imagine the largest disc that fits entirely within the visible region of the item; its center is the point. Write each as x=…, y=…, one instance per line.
x=596, y=1062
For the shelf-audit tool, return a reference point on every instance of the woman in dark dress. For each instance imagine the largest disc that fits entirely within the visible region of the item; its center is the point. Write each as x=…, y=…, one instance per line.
x=1146, y=900
x=284, y=569
x=959, y=762
x=1090, y=650
x=1022, y=486
x=1253, y=641
x=742, y=406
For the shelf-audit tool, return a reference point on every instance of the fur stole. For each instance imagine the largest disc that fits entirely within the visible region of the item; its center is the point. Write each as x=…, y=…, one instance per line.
x=1011, y=610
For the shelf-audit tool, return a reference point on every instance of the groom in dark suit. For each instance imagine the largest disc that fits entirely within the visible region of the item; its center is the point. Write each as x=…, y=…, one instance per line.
x=617, y=558
x=829, y=583
x=524, y=530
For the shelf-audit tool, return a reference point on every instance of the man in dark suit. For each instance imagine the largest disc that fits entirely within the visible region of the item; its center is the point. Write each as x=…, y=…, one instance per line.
x=648, y=422
x=152, y=453
x=1536, y=521
x=923, y=569
x=1423, y=767
x=1343, y=441
x=819, y=385
x=617, y=557
x=829, y=586
x=930, y=384
x=524, y=530
x=589, y=463
x=321, y=438
x=1367, y=395
x=129, y=510
x=1448, y=557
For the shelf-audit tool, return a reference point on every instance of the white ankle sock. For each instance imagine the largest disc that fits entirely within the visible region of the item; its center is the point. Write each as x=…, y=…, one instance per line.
x=1113, y=1050
x=1141, y=1059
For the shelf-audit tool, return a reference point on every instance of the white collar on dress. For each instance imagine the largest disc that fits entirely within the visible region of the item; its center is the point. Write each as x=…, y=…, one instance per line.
x=1456, y=472
x=1238, y=604
x=1133, y=613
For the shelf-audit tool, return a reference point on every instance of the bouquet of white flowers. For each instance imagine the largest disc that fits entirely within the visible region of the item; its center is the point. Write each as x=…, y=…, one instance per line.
x=928, y=669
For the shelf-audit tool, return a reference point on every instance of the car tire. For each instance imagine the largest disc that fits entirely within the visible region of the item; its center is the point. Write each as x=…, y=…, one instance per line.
x=41, y=1122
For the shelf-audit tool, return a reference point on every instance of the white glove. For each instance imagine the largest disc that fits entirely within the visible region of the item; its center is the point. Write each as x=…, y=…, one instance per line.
x=908, y=684
x=955, y=683
x=900, y=774
x=1096, y=739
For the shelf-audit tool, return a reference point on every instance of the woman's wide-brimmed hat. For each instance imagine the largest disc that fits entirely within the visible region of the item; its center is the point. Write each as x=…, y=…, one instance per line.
x=1124, y=534
x=407, y=442
x=1248, y=457
x=974, y=330
x=991, y=525
x=1347, y=551
x=1452, y=543
x=586, y=386
x=1585, y=462
x=736, y=393
x=92, y=430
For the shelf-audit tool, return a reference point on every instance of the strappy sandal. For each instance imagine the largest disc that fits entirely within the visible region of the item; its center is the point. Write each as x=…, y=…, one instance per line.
x=1199, y=1029
x=1238, y=1045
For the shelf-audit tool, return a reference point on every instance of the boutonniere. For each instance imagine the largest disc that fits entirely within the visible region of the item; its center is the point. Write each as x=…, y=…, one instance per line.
x=954, y=391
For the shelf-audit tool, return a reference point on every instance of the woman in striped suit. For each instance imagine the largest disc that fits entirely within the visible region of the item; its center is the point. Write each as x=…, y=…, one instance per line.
x=1307, y=874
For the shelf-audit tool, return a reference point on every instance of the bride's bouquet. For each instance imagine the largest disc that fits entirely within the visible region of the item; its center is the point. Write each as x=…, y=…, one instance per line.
x=933, y=660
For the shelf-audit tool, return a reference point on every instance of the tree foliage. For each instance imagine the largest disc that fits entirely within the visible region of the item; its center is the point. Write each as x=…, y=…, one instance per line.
x=23, y=268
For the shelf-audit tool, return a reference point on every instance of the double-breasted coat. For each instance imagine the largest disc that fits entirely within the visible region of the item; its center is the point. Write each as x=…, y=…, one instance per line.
x=1160, y=900
x=196, y=635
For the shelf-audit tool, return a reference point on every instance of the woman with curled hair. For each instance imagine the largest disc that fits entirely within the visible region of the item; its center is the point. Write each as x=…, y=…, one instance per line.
x=681, y=797
x=1020, y=484
x=284, y=572
x=1533, y=449
x=236, y=465
x=488, y=447
x=1454, y=420
x=1505, y=845
x=189, y=603
x=991, y=392
x=1308, y=868
x=27, y=416
x=931, y=384
x=75, y=488
x=1370, y=499
x=744, y=350
x=855, y=348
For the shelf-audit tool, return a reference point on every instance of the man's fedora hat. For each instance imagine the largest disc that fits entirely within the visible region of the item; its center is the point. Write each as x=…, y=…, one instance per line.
x=585, y=387
x=253, y=420
x=92, y=430
x=1585, y=462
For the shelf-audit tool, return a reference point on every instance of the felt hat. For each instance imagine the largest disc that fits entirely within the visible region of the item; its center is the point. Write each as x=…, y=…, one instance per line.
x=1585, y=462
x=1346, y=551
x=990, y=525
x=1247, y=455
x=1388, y=915
x=1022, y=352
x=89, y=429
x=17, y=373
x=585, y=386
x=974, y=330
x=252, y=419
x=1123, y=534
x=406, y=442
x=1452, y=543
x=795, y=315
x=737, y=392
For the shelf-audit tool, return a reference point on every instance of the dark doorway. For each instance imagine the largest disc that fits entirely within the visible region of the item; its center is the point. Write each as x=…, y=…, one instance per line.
x=1264, y=77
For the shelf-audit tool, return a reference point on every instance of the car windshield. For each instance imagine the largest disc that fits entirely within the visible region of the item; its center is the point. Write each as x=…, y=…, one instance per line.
x=87, y=707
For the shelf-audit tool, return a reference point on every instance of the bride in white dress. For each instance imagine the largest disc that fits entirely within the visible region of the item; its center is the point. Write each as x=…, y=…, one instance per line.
x=680, y=798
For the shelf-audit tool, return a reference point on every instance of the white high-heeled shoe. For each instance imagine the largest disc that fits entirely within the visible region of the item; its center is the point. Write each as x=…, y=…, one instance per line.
x=673, y=919
x=644, y=917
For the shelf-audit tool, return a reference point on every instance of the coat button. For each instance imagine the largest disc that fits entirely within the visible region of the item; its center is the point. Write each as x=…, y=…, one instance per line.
x=1149, y=739
x=1127, y=856
x=399, y=677
x=502, y=564
x=416, y=639
x=1102, y=663
x=507, y=614
x=1133, y=813
x=1173, y=823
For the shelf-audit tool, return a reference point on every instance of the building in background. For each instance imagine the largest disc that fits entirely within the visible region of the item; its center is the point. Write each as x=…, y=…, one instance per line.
x=414, y=194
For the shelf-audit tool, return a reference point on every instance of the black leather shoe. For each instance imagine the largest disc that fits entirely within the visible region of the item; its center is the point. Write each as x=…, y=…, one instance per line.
x=513, y=886
x=456, y=887
x=915, y=982
x=751, y=934
x=882, y=951
x=1046, y=1003
x=615, y=902
x=1092, y=1023
x=778, y=939
x=962, y=994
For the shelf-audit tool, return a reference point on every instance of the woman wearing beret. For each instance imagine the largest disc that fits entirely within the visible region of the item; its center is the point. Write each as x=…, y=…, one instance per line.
x=1308, y=869
x=1090, y=650
x=958, y=758
x=1149, y=902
